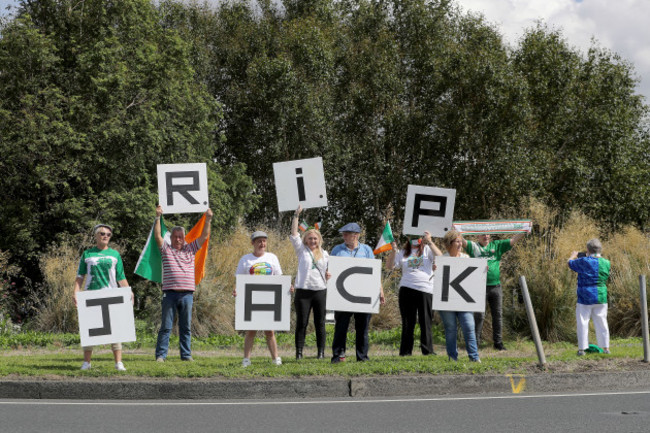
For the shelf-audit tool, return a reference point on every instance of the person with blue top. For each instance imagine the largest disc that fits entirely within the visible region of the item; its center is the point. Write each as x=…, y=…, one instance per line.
x=593, y=272
x=351, y=247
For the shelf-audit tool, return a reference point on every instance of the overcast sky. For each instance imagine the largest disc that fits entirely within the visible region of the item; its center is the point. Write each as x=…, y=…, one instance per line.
x=619, y=25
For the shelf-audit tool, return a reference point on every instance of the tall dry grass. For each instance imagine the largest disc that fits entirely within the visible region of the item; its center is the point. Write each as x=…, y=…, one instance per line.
x=59, y=267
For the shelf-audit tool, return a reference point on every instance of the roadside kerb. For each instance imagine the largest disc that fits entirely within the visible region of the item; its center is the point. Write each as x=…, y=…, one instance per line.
x=323, y=387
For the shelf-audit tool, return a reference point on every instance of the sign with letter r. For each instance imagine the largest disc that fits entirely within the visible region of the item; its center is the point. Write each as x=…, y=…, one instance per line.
x=183, y=188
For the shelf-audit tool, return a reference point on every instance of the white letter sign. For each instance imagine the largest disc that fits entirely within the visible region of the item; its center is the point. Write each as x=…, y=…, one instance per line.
x=459, y=284
x=355, y=284
x=428, y=208
x=263, y=303
x=105, y=316
x=300, y=182
x=183, y=188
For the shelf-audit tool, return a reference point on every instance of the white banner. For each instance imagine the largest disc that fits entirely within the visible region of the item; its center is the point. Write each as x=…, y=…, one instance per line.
x=263, y=303
x=300, y=182
x=486, y=227
x=459, y=284
x=183, y=188
x=428, y=208
x=355, y=284
x=105, y=316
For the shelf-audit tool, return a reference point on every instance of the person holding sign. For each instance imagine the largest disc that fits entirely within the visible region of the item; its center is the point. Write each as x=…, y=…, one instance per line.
x=593, y=273
x=485, y=248
x=178, y=285
x=352, y=248
x=101, y=267
x=453, y=242
x=310, y=284
x=259, y=262
x=415, y=260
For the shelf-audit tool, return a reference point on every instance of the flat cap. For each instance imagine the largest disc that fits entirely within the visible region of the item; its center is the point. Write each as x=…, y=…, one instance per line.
x=351, y=227
x=258, y=234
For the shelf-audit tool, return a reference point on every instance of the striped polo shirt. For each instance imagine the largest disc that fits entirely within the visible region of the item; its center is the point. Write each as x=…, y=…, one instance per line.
x=178, y=266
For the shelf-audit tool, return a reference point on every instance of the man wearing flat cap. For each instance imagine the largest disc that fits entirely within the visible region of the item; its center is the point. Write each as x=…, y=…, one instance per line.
x=259, y=262
x=352, y=248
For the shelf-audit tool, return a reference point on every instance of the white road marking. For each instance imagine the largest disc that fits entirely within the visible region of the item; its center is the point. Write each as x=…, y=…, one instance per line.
x=270, y=403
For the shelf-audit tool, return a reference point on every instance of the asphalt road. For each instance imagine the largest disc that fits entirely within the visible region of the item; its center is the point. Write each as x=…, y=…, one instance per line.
x=594, y=412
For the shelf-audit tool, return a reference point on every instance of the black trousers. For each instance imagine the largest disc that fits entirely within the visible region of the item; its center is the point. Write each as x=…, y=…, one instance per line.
x=361, y=322
x=414, y=304
x=304, y=301
x=494, y=298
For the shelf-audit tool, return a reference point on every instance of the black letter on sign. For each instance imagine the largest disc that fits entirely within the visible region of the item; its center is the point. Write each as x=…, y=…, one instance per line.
x=301, y=185
x=276, y=306
x=182, y=189
x=417, y=211
x=341, y=280
x=456, y=284
x=106, y=316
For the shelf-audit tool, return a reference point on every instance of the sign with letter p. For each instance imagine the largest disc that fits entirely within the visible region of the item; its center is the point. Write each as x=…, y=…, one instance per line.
x=183, y=188
x=428, y=208
x=105, y=316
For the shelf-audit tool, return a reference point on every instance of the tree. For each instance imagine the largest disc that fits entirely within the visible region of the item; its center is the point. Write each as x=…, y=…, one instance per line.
x=94, y=95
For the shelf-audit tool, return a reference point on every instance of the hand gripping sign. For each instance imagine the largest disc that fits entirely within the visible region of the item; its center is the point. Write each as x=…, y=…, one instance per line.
x=428, y=208
x=459, y=284
x=355, y=284
x=105, y=316
x=263, y=303
x=300, y=182
x=183, y=188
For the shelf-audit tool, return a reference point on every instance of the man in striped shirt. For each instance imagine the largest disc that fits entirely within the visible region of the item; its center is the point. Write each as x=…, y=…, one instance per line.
x=178, y=285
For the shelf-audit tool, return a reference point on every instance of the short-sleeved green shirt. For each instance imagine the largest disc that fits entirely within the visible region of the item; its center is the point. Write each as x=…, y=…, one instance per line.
x=102, y=268
x=493, y=252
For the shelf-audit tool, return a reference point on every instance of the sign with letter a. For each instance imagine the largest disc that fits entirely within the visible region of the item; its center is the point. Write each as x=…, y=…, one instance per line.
x=428, y=208
x=459, y=284
x=183, y=188
x=263, y=303
x=105, y=316
x=300, y=182
x=355, y=284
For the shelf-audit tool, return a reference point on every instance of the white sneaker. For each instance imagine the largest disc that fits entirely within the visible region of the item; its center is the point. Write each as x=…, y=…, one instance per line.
x=246, y=362
x=119, y=366
x=277, y=361
x=85, y=366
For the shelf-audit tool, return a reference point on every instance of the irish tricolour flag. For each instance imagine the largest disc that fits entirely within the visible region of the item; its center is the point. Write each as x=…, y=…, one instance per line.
x=149, y=265
x=385, y=240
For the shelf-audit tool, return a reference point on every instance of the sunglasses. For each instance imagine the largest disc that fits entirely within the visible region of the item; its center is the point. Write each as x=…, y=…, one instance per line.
x=102, y=234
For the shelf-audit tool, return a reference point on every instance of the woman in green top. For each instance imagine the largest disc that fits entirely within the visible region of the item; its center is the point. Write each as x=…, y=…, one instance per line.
x=101, y=267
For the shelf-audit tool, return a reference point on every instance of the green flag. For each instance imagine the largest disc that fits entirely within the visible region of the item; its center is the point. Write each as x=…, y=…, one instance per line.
x=149, y=264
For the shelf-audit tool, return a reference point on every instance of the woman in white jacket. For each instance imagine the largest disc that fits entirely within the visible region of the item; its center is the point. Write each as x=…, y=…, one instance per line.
x=310, y=284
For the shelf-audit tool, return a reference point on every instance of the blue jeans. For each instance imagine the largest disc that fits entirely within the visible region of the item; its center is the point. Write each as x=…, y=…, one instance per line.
x=173, y=302
x=466, y=320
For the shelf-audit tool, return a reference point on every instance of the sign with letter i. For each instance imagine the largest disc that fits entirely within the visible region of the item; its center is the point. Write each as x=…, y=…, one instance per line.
x=300, y=182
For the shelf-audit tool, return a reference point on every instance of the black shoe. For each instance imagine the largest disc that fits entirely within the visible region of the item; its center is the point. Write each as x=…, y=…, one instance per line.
x=321, y=354
x=499, y=346
x=337, y=359
x=299, y=353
